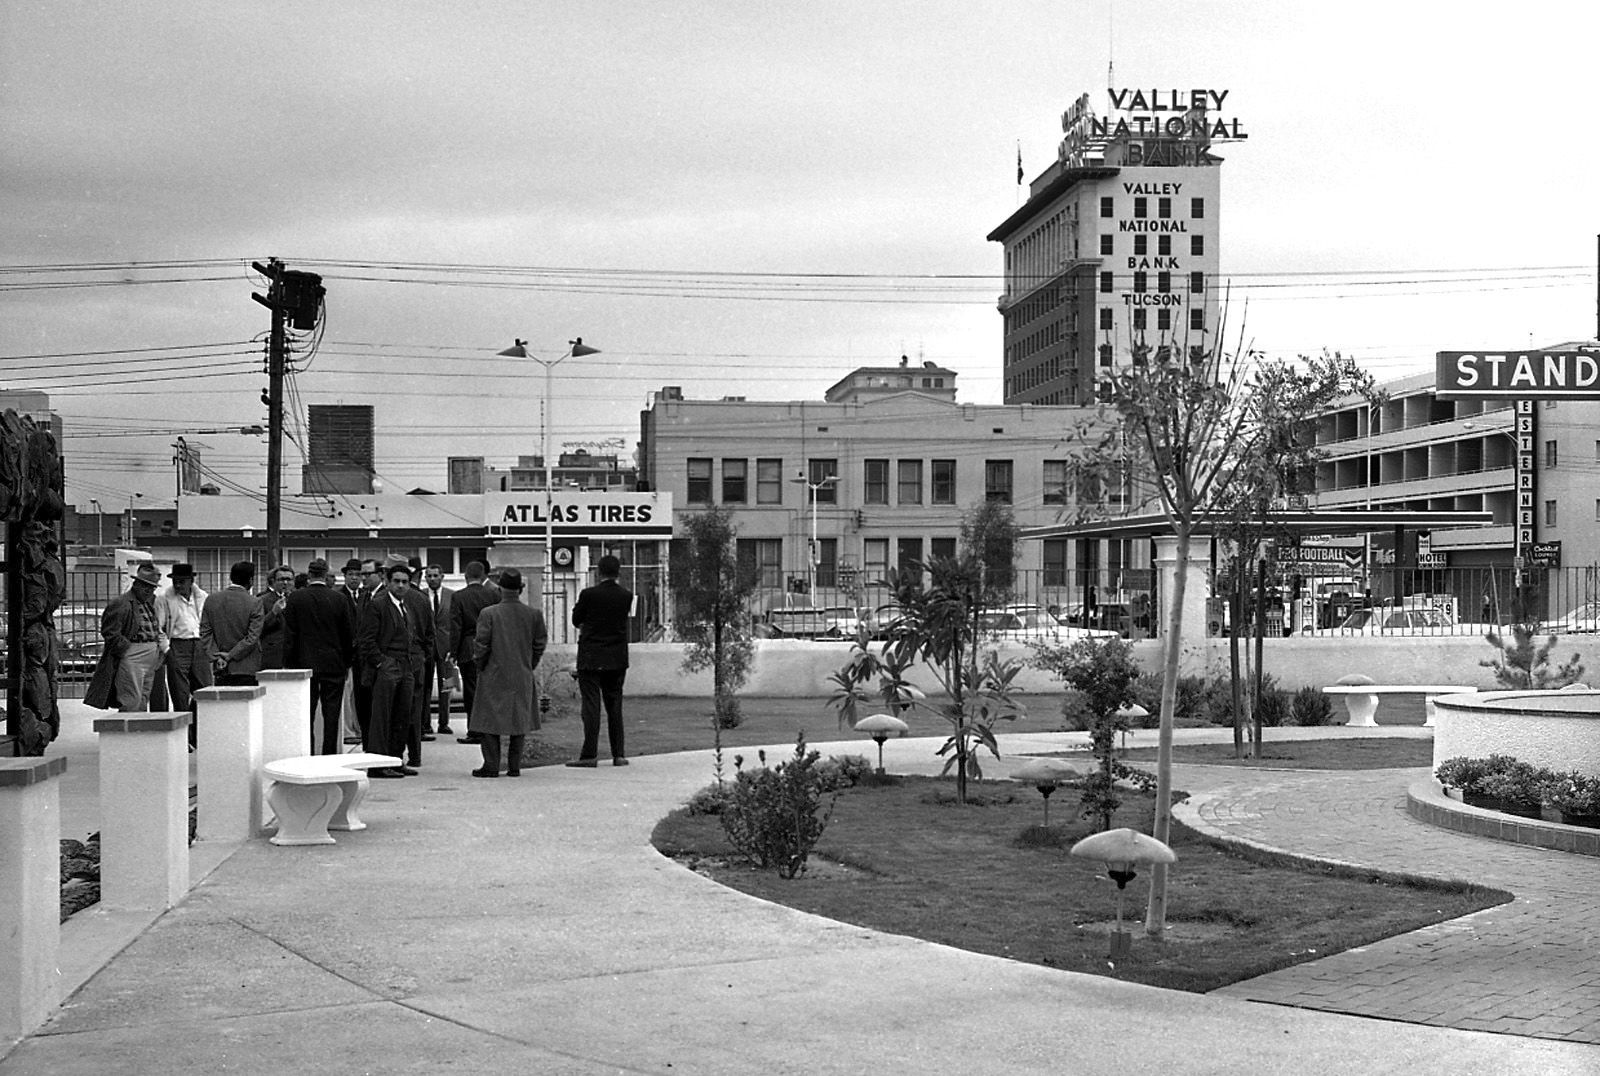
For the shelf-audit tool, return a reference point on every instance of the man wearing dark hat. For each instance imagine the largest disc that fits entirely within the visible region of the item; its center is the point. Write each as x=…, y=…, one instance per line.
x=178, y=611
x=352, y=590
x=465, y=608
x=509, y=641
x=134, y=646
x=319, y=633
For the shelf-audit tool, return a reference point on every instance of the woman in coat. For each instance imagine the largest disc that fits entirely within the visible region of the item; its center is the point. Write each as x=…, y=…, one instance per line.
x=511, y=638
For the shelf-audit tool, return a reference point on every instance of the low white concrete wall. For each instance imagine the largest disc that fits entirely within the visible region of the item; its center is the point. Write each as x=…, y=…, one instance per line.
x=792, y=668
x=1558, y=729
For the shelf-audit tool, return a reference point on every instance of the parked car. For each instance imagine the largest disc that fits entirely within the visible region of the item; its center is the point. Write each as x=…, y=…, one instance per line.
x=1391, y=621
x=844, y=620
x=1582, y=620
x=1031, y=623
x=800, y=623
x=884, y=622
x=78, y=642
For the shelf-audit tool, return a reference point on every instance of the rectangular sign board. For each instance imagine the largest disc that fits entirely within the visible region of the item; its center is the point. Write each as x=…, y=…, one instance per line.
x=1544, y=555
x=581, y=514
x=1531, y=375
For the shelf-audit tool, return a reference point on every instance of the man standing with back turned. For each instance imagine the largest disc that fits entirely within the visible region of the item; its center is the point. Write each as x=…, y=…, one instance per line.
x=601, y=617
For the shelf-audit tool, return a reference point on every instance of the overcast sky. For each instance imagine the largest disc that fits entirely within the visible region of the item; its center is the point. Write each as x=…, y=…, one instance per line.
x=733, y=197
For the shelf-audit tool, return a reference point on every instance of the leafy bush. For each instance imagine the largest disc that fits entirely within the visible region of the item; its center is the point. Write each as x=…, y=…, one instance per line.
x=775, y=816
x=1273, y=706
x=1520, y=662
x=838, y=772
x=1310, y=707
x=1467, y=774
x=1075, y=714
x=1519, y=785
x=1573, y=792
x=728, y=713
x=709, y=800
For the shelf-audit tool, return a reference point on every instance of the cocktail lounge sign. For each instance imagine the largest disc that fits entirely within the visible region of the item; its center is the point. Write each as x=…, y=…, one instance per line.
x=1526, y=375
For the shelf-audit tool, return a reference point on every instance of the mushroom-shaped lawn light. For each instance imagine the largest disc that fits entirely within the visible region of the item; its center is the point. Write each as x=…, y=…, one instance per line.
x=1121, y=850
x=879, y=727
x=1046, y=774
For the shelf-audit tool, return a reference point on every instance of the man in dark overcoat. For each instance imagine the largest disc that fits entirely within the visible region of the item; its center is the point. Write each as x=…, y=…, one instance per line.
x=510, y=639
x=134, y=645
x=387, y=640
x=319, y=633
x=601, y=617
x=470, y=601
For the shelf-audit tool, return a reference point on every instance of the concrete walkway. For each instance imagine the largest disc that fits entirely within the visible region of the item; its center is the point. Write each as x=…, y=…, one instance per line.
x=528, y=926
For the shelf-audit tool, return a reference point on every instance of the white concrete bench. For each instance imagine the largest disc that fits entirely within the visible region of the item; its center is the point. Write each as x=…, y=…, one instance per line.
x=1361, y=700
x=316, y=793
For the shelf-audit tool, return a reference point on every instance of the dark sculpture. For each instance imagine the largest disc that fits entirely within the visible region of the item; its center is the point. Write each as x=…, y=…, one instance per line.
x=32, y=501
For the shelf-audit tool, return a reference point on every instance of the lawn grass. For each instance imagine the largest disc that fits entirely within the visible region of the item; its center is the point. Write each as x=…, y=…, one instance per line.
x=1367, y=753
x=902, y=857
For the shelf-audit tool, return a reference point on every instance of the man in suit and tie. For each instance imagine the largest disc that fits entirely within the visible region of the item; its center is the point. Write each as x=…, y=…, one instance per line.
x=351, y=590
x=601, y=617
x=319, y=633
x=439, y=598
x=361, y=689
x=422, y=668
x=387, y=640
x=230, y=629
x=465, y=608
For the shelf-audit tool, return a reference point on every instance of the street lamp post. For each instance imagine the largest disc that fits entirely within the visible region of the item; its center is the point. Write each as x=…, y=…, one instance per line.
x=127, y=531
x=815, y=552
x=99, y=522
x=575, y=349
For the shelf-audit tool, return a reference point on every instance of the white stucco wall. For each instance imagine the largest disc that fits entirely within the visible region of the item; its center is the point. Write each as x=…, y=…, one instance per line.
x=1558, y=729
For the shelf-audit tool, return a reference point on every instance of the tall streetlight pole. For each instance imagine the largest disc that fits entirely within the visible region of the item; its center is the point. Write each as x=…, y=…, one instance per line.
x=815, y=557
x=575, y=349
x=99, y=522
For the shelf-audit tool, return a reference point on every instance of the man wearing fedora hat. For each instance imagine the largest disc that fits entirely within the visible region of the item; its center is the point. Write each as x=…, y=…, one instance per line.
x=188, y=666
x=134, y=646
x=510, y=639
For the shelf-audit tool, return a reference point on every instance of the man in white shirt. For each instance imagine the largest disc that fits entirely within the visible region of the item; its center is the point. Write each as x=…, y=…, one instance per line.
x=188, y=667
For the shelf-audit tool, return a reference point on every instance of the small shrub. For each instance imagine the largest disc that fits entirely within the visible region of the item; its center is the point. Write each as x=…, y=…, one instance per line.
x=1573, y=793
x=1273, y=707
x=1075, y=714
x=1519, y=785
x=709, y=800
x=775, y=816
x=729, y=715
x=838, y=772
x=1310, y=707
x=1467, y=774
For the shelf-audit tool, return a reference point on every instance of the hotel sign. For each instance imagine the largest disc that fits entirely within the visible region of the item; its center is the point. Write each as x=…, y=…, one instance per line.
x=575, y=513
x=1526, y=375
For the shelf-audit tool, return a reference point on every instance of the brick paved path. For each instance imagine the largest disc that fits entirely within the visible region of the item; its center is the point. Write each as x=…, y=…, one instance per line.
x=1530, y=967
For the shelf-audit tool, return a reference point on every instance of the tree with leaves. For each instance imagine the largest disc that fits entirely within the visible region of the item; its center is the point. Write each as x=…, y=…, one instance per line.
x=1522, y=662
x=942, y=606
x=989, y=531
x=1205, y=419
x=711, y=592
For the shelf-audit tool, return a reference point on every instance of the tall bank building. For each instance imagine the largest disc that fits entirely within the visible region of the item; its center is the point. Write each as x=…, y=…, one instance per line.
x=1116, y=246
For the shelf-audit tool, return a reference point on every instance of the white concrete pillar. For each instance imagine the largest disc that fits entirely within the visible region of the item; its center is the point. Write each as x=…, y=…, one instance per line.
x=1192, y=647
x=144, y=811
x=30, y=893
x=285, y=713
x=228, y=763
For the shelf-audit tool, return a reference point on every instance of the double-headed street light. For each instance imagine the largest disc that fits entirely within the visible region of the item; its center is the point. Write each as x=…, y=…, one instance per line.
x=575, y=349
x=816, y=551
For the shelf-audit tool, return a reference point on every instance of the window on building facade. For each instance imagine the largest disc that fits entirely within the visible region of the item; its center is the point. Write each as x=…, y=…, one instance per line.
x=735, y=481
x=1141, y=282
x=1197, y=208
x=1550, y=454
x=1138, y=318
x=909, y=482
x=769, y=481
x=1141, y=245
x=997, y=481
x=1056, y=572
x=941, y=548
x=765, y=557
x=821, y=471
x=1056, y=479
x=827, y=562
x=942, y=482
x=1197, y=318
x=907, y=554
x=1197, y=245
x=1105, y=318
x=442, y=555
x=1164, y=319
x=1107, y=206
x=875, y=560
x=699, y=480
x=1105, y=354
x=1549, y=513
x=1164, y=244
x=1107, y=245
x=1105, y=282
x=1197, y=282
x=1164, y=208
x=1141, y=208
x=1597, y=510
x=1164, y=282
x=875, y=482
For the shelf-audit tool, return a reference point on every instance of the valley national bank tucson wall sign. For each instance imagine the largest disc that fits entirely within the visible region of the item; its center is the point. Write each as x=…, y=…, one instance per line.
x=573, y=513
